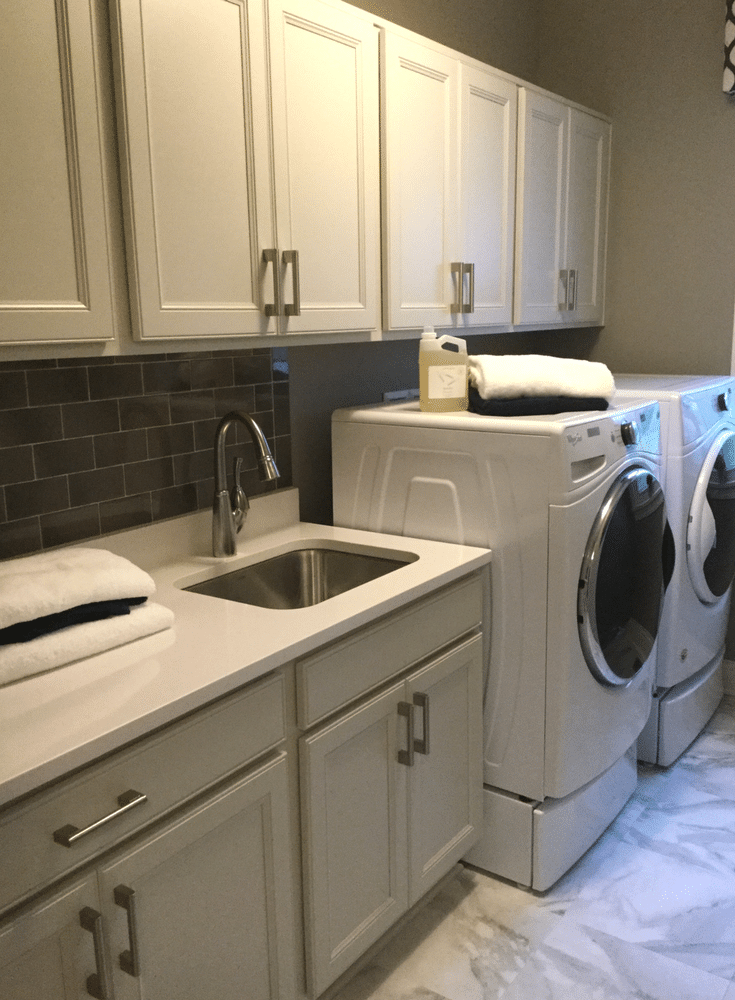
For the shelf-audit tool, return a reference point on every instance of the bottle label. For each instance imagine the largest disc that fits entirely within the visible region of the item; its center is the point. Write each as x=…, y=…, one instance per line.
x=447, y=381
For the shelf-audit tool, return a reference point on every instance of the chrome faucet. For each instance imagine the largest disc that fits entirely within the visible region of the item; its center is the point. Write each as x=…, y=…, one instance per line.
x=229, y=512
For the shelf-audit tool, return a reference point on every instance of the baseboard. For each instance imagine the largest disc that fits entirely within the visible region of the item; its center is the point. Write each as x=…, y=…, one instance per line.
x=728, y=676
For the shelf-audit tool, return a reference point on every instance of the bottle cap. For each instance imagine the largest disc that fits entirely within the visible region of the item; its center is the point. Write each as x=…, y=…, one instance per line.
x=429, y=333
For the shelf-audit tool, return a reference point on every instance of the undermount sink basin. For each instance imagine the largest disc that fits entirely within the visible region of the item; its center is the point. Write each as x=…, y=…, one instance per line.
x=301, y=578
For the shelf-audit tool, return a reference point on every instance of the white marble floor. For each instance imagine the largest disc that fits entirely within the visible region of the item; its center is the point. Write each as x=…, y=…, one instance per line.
x=647, y=914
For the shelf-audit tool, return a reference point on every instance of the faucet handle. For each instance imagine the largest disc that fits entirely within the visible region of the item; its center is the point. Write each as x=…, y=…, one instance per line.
x=240, y=502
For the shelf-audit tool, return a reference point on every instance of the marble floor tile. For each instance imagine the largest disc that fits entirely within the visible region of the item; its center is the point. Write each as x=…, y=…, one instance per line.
x=647, y=914
x=581, y=963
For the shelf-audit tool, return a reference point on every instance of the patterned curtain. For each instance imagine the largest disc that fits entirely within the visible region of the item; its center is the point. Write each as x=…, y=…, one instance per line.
x=728, y=83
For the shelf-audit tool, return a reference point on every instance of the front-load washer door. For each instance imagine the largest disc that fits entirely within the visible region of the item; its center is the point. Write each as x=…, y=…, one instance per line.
x=711, y=525
x=626, y=566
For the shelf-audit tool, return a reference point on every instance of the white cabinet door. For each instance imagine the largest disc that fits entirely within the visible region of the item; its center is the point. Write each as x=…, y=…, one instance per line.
x=325, y=87
x=208, y=89
x=487, y=185
x=202, y=909
x=541, y=208
x=354, y=829
x=445, y=784
x=587, y=201
x=191, y=89
x=55, y=276
x=420, y=183
x=48, y=952
x=563, y=170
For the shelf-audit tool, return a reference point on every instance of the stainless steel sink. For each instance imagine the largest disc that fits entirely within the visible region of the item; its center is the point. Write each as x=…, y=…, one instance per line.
x=301, y=578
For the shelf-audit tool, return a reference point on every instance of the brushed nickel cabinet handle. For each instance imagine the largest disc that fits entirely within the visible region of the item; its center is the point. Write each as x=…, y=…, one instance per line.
x=130, y=958
x=572, y=296
x=457, y=268
x=421, y=700
x=469, y=269
x=68, y=835
x=274, y=308
x=99, y=984
x=292, y=257
x=405, y=708
x=564, y=278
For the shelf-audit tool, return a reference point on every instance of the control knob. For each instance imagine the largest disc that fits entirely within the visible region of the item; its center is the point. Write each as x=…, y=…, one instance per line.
x=629, y=433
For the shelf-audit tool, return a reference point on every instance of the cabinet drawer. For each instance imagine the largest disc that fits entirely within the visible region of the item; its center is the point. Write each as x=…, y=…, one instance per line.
x=331, y=678
x=167, y=768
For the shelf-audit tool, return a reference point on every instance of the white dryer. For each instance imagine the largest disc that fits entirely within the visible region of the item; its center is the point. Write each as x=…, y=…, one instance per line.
x=698, y=476
x=573, y=511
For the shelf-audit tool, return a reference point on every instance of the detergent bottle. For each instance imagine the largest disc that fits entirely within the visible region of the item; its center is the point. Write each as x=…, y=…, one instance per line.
x=442, y=373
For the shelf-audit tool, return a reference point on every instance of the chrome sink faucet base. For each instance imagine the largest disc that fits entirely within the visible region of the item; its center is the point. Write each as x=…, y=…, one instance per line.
x=229, y=510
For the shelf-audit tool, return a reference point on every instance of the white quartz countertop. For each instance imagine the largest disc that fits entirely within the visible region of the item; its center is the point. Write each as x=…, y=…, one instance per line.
x=55, y=722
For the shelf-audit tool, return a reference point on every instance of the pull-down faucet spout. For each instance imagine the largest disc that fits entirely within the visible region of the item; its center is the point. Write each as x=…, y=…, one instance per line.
x=228, y=513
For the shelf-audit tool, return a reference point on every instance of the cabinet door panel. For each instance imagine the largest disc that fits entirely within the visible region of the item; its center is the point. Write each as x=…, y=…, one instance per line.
x=55, y=278
x=213, y=915
x=445, y=791
x=190, y=81
x=541, y=208
x=488, y=162
x=326, y=130
x=44, y=952
x=589, y=155
x=421, y=184
x=354, y=835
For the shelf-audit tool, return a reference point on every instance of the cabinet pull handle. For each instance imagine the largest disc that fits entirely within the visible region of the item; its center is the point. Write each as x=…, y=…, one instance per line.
x=406, y=756
x=130, y=959
x=292, y=257
x=564, y=278
x=572, y=289
x=274, y=308
x=99, y=984
x=457, y=268
x=470, y=270
x=421, y=700
x=68, y=835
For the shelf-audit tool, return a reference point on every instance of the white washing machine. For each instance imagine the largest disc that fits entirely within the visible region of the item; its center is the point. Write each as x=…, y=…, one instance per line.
x=698, y=476
x=573, y=511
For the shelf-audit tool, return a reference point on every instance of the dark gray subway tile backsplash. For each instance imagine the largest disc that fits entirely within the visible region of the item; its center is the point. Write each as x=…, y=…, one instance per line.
x=93, y=445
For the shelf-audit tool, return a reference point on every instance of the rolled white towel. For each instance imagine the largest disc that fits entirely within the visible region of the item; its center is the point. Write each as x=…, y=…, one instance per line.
x=49, y=582
x=23, y=659
x=508, y=376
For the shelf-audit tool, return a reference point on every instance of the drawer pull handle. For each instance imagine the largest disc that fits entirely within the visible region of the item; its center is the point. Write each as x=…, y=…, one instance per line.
x=129, y=960
x=68, y=835
x=421, y=700
x=99, y=983
x=406, y=756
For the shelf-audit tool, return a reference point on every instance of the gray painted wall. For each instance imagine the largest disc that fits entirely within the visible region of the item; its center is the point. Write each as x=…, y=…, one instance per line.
x=656, y=69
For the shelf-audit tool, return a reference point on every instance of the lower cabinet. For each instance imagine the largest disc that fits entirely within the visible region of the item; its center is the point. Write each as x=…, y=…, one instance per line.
x=391, y=799
x=200, y=909
x=46, y=952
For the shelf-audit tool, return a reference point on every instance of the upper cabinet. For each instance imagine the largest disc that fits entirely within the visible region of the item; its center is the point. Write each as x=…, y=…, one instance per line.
x=563, y=177
x=249, y=139
x=55, y=282
x=261, y=145
x=448, y=189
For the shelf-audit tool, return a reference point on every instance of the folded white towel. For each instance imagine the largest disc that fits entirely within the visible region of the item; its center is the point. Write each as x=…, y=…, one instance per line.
x=22, y=659
x=49, y=582
x=507, y=376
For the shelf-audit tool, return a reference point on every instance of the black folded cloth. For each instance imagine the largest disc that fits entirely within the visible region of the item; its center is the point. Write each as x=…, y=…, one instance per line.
x=527, y=406
x=94, y=612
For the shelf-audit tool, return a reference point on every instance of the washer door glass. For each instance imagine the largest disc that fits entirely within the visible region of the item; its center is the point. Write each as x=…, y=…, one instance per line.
x=711, y=527
x=622, y=582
